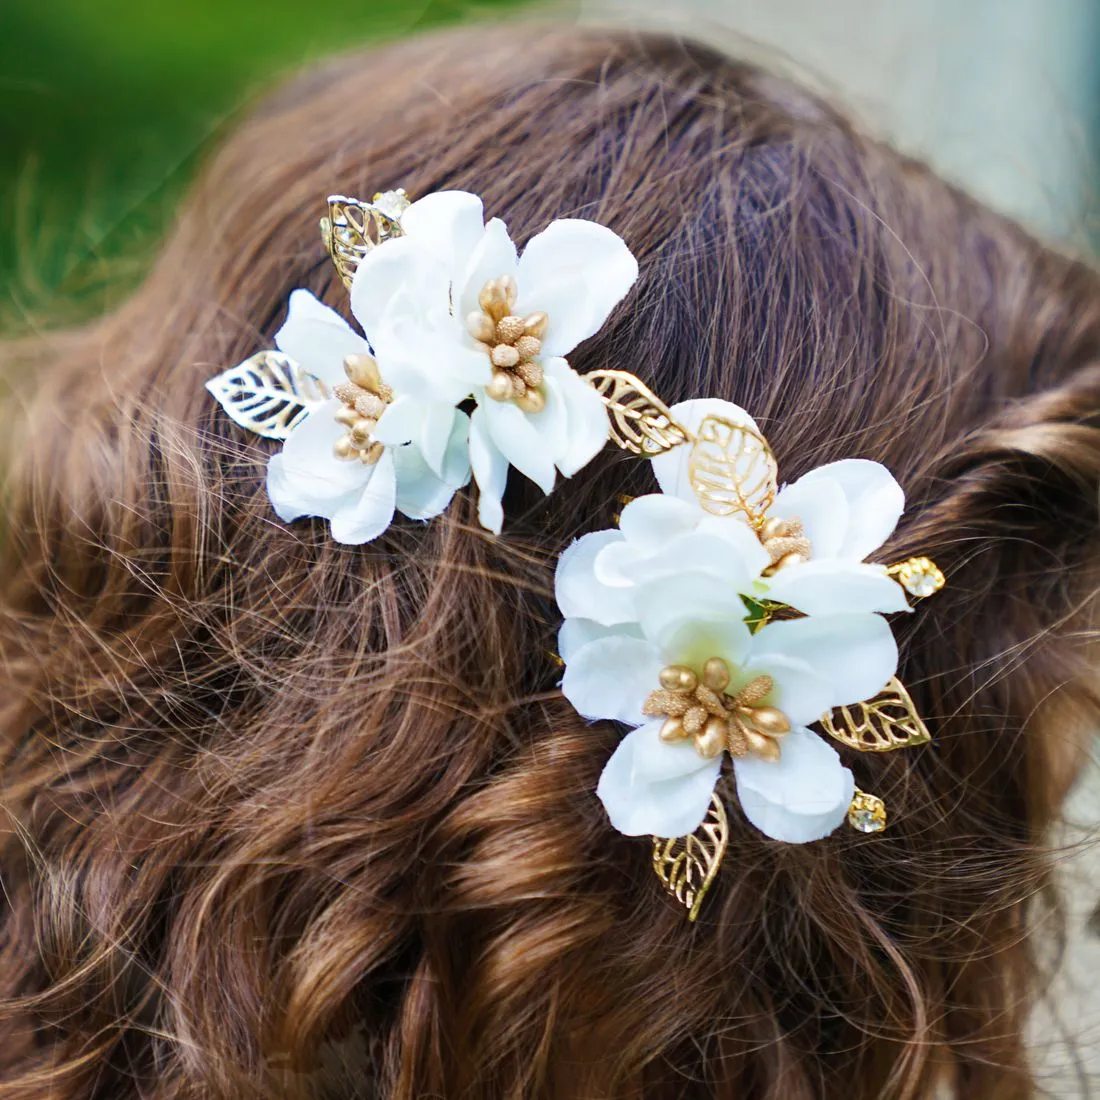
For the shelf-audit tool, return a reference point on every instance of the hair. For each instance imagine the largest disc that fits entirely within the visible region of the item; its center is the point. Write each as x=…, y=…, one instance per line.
x=282, y=817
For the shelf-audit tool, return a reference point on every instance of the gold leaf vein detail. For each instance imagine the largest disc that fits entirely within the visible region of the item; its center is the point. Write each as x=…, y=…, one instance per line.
x=640, y=421
x=887, y=722
x=732, y=469
x=688, y=865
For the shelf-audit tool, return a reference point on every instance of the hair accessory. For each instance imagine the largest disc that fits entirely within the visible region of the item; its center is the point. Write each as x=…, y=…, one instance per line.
x=461, y=370
x=735, y=626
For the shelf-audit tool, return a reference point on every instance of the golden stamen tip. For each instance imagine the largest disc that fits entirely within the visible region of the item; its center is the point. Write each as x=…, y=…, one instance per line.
x=500, y=386
x=504, y=355
x=363, y=371
x=716, y=674
x=678, y=678
x=532, y=401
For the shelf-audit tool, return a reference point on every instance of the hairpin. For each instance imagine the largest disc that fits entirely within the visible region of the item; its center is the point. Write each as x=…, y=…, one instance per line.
x=723, y=620
x=461, y=369
x=736, y=626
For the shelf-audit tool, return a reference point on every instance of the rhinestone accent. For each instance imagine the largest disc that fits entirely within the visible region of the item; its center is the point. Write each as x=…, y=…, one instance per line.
x=867, y=813
x=391, y=203
x=920, y=577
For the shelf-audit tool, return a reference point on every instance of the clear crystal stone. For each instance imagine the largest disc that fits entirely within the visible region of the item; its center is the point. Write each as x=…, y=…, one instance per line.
x=391, y=203
x=867, y=820
x=921, y=584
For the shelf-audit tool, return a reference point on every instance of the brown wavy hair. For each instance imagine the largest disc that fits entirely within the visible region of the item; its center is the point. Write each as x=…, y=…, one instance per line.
x=282, y=817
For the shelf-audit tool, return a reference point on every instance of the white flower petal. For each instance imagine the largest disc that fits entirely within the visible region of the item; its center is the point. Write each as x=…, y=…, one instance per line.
x=438, y=422
x=694, y=641
x=875, y=504
x=801, y=797
x=291, y=497
x=663, y=605
x=448, y=225
x=317, y=338
x=493, y=257
x=628, y=563
x=671, y=467
x=308, y=474
x=856, y=654
x=367, y=516
x=820, y=505
x=611, y=677
x=490, y=470
x=576, y=272
x=400, y=422
x=393, y=281
x=751, y=556
x=655, y=518
x=586, y=428
x=576, y=633
x=421, y=494
x=640, y=806
x=580, y=594
x=799, y=692
x=836, y=586
x=516, y=435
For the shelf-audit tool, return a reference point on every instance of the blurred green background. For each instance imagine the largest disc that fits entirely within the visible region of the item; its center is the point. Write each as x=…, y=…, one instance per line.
x=106, y=106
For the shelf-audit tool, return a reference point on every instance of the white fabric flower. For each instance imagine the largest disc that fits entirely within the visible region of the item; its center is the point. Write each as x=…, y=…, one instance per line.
x=415, y=295
x=307, y=478
x=814, y=664
x=847, y=509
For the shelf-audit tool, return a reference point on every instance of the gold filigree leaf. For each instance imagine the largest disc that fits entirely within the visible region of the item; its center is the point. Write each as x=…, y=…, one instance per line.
x=268, y=394
x=687, y=865
x=888, y=721
x=732, y=469
x=353, y=228
x=640, y=421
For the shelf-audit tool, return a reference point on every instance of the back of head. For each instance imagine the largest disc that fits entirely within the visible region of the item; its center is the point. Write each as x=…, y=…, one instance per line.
x=287, y=817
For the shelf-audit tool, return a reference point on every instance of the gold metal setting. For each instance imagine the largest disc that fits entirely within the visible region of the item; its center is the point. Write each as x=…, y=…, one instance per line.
x=732, y=469
x=640, y=421
x=885, y=723
x=920, y=577
x=512, y=343
x=715, y=721
x=268, y=394
x=353, y=227
x=867, y=812
x=364, y=397
x=687, y=865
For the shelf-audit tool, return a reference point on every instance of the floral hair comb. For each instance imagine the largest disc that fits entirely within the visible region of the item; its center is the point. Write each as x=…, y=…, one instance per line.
x=723, y=620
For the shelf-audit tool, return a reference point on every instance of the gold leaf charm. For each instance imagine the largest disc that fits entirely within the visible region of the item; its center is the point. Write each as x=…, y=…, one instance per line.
x=353, y=228
x=640, y=421
x=268, y=394
x=687, y=865
x=732, y=469
x=888, y=721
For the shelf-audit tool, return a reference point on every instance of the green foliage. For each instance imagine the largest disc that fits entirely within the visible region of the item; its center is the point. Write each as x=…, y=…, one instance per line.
x=105, y=106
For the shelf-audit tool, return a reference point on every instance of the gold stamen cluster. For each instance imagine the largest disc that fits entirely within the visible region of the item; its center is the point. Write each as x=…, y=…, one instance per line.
x=716, y=721
x=365, y=397
x=786, y=542
x=512, y=343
